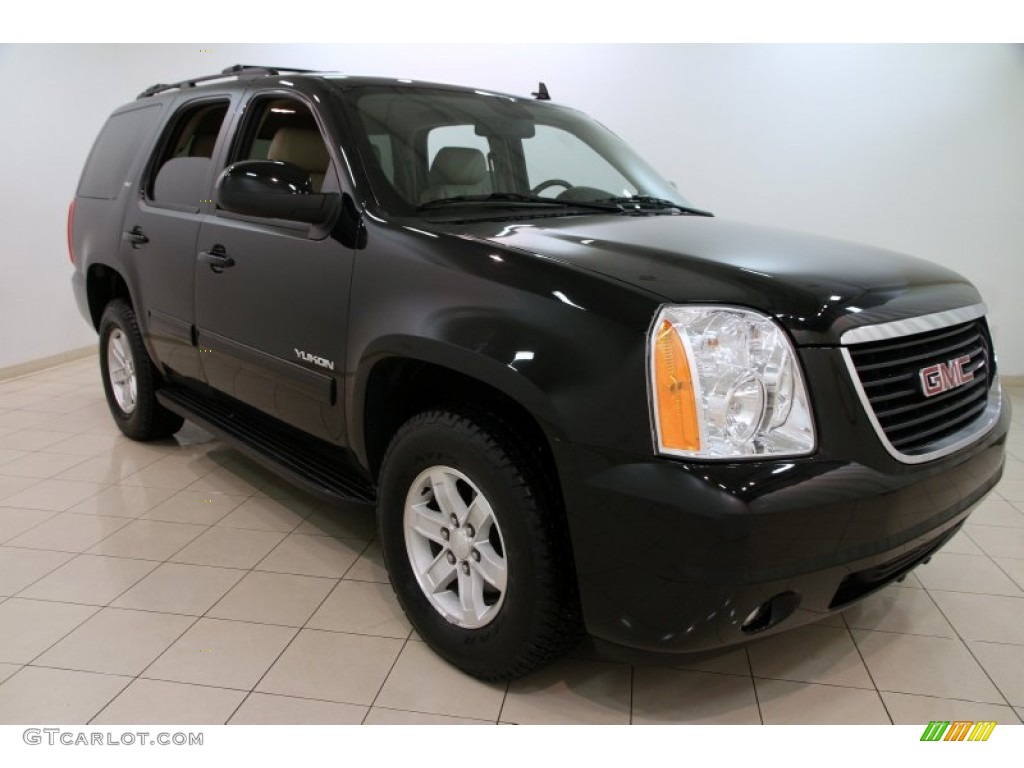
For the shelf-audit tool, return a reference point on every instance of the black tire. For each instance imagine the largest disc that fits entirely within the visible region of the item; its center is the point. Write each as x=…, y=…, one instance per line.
x=139, y=417
x=536, y=617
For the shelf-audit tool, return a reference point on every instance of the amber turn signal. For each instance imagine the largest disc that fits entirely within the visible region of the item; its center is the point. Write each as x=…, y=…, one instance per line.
x=676, y=406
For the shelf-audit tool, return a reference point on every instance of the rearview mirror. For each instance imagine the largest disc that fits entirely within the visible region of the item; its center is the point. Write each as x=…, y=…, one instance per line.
x=273, y=189
x=506, y=127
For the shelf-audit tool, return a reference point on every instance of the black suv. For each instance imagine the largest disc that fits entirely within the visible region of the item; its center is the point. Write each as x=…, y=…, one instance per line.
x=577, y=401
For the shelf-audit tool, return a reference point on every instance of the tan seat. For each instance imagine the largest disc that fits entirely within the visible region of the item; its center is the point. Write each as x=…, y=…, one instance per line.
x=202, y=145
x=198, y=136
x=303, y=147
x=457, y=171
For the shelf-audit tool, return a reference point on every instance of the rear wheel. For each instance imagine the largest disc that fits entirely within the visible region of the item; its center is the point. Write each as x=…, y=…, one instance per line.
x=475, y=545
x=129, y=377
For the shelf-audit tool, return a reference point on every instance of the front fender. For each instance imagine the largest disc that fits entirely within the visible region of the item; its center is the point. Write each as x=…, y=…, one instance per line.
x=566, y=345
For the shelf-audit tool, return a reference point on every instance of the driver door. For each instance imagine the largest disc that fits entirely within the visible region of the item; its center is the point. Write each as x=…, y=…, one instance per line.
x=272, y=296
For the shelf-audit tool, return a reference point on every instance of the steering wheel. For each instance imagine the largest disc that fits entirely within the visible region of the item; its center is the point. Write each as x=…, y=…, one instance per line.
x=550, y=183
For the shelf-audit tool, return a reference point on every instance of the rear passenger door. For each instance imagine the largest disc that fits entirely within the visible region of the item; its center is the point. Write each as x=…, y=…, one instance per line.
x=272, y=326
x=161, y=228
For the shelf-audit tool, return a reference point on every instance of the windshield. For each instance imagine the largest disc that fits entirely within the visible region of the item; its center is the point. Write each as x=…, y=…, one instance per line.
x=441, y=153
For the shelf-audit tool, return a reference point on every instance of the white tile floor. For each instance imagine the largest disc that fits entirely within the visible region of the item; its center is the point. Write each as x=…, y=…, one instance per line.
x=179, y=583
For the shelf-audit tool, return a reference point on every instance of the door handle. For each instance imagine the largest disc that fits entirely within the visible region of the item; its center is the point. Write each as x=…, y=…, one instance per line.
x=217, y=259
x=135, y=236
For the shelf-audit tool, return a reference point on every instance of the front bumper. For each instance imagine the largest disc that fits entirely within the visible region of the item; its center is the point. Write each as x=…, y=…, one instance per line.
x=674, y=556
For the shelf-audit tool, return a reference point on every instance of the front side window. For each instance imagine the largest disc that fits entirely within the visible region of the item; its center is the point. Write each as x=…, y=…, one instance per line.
x=283, y=129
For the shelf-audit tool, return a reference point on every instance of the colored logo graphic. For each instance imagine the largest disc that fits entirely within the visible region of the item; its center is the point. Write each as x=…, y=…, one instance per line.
x=941, y=377
x=958, y=730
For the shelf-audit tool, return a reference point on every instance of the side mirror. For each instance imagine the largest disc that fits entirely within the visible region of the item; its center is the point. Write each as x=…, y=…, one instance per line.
x=273, y=189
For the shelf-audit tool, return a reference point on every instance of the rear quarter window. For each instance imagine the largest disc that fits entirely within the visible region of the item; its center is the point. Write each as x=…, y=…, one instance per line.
x=115, y=150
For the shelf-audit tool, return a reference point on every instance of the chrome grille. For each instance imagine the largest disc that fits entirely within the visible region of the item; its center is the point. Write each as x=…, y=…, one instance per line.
x=890, y=375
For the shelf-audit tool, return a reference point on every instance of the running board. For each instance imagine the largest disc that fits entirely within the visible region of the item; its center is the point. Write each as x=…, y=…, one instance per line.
x=317, y=467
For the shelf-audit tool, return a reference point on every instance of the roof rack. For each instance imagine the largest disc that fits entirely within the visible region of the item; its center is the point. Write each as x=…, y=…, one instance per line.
x=237, y=70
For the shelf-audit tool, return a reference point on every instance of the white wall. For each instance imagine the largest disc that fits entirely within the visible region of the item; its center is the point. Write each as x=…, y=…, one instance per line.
x=916, y=148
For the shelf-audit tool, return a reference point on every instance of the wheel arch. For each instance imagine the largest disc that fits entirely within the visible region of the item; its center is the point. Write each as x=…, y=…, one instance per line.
x=103, y=284
x=392, y=387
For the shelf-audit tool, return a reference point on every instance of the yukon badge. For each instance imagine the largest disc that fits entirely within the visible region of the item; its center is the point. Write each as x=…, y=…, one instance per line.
x=938, y=378
x=323, y=362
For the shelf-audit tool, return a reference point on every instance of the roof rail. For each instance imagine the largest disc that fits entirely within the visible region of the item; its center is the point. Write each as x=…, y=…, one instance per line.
x=260, y=69
x=238, y=70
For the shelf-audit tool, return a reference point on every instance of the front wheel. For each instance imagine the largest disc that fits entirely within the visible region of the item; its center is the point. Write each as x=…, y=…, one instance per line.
x=475, y=545
x=130, y=378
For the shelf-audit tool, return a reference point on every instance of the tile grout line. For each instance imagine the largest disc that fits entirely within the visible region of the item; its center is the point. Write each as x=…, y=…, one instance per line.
x=4, y=499
x=753, y=684
x=58, y=640
x=430, y=714
x=29, y=530
x=138, y=676
x=101, y=606
x=504, y=701
x=146, y=667
x=76, y=626
x=1005, y=573
x=288, y=644
x=195, y=620
x=298, y=631
x=766, y=678
x=54, y=476
x=871, y=677
x=255, y=685
x=205, y=615
x=401, y=650
x=384, y=682
x=967, y=646
x=632, y=690
x=106, y=487
x=992, y=560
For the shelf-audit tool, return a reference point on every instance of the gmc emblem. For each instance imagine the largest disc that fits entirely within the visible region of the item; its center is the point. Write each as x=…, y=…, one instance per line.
x=941, y=377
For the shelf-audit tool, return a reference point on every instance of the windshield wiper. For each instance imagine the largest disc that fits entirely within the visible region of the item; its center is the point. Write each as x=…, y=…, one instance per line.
x=504, y=198
x=647, y=202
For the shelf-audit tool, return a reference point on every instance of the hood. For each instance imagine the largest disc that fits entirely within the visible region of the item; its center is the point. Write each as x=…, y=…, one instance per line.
x=816, y=287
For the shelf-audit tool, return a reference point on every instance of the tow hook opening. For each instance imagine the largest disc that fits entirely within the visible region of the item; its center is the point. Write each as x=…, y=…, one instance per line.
x=771, y=612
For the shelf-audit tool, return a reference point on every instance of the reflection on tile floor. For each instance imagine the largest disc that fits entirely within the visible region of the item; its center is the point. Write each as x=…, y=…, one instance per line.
x=179, y=583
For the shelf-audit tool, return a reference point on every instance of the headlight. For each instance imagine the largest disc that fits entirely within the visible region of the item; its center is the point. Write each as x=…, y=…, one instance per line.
x=726, y=383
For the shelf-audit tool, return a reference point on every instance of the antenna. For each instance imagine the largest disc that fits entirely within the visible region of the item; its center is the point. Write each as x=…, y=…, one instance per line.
x=541, y=94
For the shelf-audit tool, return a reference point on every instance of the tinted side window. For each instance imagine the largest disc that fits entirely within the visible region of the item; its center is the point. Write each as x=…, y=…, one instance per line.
x=195, y=131
x=116, y=147
x=285, y=130
x=181, y=171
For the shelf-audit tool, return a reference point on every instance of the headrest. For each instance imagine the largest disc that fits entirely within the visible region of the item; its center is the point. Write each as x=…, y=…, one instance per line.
x=458, y=165
x=300, y=146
